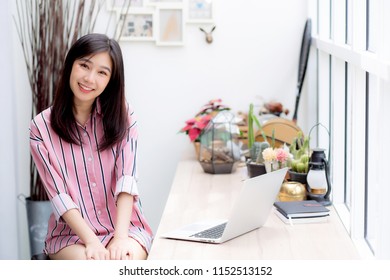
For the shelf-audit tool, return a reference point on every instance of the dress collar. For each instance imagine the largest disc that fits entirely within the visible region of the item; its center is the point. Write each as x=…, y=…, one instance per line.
x=98, y=107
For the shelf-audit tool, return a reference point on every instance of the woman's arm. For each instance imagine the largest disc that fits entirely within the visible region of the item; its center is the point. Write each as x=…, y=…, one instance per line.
x=124, y=207
x=119, y=247
x=94, y=249
x=126, y=191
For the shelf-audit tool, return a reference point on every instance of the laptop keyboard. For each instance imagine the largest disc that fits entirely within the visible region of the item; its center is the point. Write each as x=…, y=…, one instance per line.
x=212, y=233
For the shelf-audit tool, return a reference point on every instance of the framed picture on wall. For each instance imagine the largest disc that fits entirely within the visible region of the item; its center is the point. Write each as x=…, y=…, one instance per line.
x=137, y=26
x=163, y=2
x=123, y=5
x=200, y=11
x=170, y=26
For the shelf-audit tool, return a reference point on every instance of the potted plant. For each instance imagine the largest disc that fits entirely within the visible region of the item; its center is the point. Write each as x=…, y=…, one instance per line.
x=255, y=162
x=276, y=158
x=195, y=126
x=300, y=162
x=46, y=31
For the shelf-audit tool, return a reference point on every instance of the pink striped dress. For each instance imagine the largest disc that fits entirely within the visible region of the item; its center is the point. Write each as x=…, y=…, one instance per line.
x=81, y=177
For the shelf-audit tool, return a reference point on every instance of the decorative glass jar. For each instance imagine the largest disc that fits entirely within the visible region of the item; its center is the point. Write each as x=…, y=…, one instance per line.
x=220, y=145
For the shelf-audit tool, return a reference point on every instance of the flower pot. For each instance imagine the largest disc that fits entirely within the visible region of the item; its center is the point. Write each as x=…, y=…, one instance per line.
x=218, y=168
x=272, y=166
x=197, y=149
x=255, y=169
x=38, y=213
x=297, y=177
x=292, y=191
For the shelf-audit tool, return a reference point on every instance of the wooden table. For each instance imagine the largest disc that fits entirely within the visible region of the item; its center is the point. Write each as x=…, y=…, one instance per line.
x=195, y=195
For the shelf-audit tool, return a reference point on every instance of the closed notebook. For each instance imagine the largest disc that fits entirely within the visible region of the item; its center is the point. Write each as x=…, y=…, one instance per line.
x=301, y=220
x=305, y=208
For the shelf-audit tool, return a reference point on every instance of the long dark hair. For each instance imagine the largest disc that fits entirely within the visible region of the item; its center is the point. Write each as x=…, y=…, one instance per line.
x=112, y=99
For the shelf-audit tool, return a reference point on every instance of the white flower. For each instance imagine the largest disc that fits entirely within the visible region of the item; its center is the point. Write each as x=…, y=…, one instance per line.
x=269, y=154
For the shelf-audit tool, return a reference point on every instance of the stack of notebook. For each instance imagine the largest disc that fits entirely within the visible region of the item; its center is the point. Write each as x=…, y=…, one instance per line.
x=306, y=211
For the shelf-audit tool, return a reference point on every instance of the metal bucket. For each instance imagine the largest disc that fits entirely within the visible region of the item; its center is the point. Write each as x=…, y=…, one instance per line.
x=38, y=213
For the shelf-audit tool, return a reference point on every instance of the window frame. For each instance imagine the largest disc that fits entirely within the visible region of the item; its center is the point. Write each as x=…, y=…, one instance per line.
x=360, y=102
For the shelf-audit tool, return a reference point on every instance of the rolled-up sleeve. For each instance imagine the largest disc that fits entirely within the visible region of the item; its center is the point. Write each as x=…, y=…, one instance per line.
x=49, y=173
x=126, y=163
x=127, y=184
x=62, y=203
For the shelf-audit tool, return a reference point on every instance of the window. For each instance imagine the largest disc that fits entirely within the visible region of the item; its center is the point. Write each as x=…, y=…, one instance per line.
x=371, y=185
x=372, y=25
x=324, y=19
x=347, y=138
x=353, y=85
x=348, y=22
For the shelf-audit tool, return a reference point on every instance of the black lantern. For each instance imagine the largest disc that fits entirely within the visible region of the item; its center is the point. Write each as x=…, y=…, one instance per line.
x=318, y=183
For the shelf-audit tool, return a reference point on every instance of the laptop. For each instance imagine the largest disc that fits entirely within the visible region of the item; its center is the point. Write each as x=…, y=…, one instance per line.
x=249, y=212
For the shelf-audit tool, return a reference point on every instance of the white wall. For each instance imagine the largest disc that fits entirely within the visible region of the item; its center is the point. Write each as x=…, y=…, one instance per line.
x=254, y=54
x=8, y=181
x=21, y=117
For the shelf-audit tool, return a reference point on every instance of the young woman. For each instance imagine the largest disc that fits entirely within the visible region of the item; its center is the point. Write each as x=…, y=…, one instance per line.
x=85, y=149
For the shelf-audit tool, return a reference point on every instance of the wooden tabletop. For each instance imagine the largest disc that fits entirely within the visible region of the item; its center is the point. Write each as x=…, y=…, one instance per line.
x=196, y=195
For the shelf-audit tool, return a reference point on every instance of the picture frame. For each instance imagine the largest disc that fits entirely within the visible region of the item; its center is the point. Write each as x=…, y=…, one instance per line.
x=163, y=2
x=200, y=11
x=122, y=5
x=138, y=25
x=170, y=26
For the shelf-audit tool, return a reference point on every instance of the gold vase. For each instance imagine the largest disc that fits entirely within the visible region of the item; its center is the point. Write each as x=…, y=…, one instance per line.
x=292, y=191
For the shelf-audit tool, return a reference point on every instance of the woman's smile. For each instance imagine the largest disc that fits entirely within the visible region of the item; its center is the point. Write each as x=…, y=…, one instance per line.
x=85, y=88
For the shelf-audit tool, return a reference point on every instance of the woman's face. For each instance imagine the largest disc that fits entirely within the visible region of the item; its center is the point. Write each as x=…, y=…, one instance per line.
x=89, y=77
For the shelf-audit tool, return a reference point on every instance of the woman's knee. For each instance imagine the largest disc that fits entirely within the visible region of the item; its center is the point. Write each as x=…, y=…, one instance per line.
x=72, y=252
x=139, y=252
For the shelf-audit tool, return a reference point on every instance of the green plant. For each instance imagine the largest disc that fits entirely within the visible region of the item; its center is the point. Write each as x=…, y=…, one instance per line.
x=252, y=119
x=257, y=151
x=255, y=148
x=300, y=151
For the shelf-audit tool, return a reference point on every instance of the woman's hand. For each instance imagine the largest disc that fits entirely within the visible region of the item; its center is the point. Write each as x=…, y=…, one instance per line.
x=120, y=248
x=96, y=251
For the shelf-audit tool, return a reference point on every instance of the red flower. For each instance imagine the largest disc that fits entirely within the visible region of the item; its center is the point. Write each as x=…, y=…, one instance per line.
x=195, y=126
x=213, y=105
